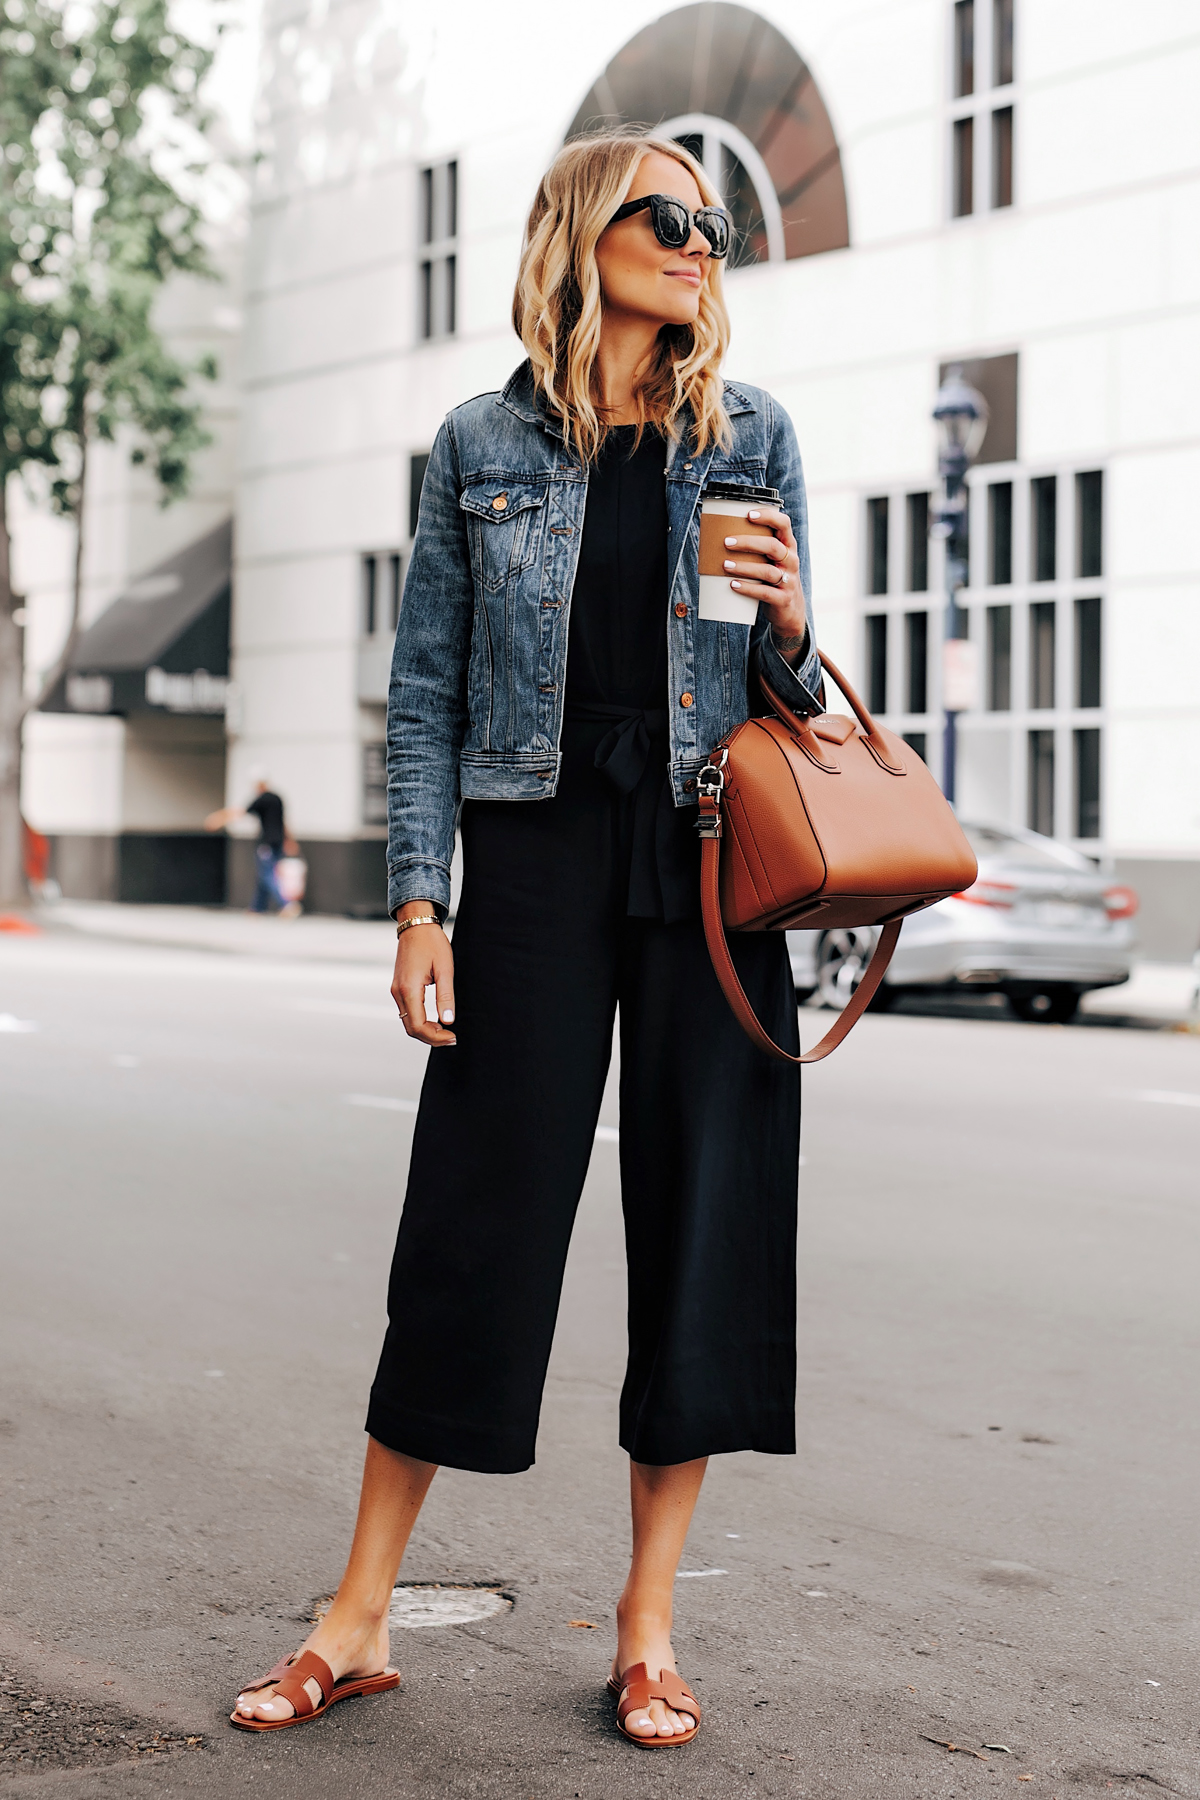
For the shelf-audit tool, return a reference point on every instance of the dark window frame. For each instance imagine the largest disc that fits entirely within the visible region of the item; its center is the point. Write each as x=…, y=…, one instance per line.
x=878, y=527
x=1003, y=44
x=999, y=658
x=1000, y=534
x=962, y=80
x=1043, y=655
x=916, y=663
x=1086, y=755
x=962, y=167
x=1041, y=780
x=1089, y=524
x=876, y=660
x=1002, y=157
x=1043, y=532
x=916, y=509
x=1089, y=652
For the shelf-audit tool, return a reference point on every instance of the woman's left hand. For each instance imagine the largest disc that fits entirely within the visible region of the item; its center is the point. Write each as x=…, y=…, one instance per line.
x=777, y=582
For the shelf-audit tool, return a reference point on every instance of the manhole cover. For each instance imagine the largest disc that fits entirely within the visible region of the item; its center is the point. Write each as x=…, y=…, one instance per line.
x=429, y=1603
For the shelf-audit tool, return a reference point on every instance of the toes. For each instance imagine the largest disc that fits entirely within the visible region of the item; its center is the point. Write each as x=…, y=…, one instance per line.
x=276, y=1709
x=641, y=1723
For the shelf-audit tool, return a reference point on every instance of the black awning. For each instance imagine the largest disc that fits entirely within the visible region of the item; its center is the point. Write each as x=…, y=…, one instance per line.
x=163, y=645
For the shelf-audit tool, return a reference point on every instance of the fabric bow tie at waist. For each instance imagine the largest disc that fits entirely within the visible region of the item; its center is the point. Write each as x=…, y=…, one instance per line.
x=623, y=752
x=663, y=855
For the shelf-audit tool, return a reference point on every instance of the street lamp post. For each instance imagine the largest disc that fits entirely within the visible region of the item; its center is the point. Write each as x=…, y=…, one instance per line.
x=961, y=416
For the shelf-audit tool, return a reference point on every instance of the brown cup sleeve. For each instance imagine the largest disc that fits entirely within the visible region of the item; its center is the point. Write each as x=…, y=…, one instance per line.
x=714, y=529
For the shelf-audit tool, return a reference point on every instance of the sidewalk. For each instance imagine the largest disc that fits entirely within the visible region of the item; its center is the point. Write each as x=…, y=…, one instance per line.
x=311, y=938
x=1158, y=991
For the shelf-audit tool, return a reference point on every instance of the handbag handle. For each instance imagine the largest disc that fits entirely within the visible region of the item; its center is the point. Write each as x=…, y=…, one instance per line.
x=796, y=723
x=731, y=987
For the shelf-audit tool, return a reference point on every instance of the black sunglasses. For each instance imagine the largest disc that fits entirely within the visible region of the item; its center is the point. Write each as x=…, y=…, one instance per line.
x=673, y=222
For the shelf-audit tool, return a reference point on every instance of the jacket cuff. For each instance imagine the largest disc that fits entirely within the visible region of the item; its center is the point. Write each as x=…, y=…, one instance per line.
x=797, y=684
x=419, y=881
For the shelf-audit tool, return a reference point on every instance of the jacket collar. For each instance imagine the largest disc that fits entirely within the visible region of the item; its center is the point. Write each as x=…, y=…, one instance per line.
x=521, y=397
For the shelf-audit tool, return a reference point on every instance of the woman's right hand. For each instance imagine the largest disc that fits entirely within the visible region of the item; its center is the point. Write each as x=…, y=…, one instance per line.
x=424, y=959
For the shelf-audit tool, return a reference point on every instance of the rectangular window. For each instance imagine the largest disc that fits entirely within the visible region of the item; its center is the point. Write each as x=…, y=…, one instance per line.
x=439, y=203
x=1002, y=156
x=916, y=741
x=877, y=545
x=999, y=658
x=374, y=784
x=394, y=589
x=370, y=595
x=964, y=48
x=437, y=294
x=1087, y=652
x=1043, y=496
x=1087, y=784
x=963, y=172
x=417, y=466
x=877, y=660
x=1002, y=42
x=1089, y=522
x=1000, y=498
x=1041, y=654
x=918, y=543
x=916, y=661
x=1041, y=782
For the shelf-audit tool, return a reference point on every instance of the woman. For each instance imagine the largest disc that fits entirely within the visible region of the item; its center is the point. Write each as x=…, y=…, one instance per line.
x=554, y=690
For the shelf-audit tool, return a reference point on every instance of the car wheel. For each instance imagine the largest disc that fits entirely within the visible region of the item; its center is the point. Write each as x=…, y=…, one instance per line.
x=1052, y=1006
x=842, y=958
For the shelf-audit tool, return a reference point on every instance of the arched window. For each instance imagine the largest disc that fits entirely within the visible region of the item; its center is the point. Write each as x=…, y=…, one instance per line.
x=732, y=88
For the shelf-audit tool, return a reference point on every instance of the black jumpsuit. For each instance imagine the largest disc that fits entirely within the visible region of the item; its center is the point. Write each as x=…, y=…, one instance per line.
x=573, y=909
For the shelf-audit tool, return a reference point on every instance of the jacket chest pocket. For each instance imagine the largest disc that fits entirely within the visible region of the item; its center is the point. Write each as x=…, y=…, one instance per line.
x=504, y=523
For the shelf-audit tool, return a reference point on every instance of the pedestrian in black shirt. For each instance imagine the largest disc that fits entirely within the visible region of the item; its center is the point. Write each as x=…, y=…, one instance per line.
x=267, y=808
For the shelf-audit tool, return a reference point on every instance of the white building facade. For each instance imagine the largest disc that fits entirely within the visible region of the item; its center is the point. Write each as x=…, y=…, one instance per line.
x=1013, y=185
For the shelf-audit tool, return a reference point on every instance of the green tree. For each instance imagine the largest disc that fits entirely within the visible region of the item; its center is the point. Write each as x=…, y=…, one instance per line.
x=102, y=125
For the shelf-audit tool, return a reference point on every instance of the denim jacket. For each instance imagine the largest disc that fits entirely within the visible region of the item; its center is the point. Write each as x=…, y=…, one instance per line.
x=475, y=704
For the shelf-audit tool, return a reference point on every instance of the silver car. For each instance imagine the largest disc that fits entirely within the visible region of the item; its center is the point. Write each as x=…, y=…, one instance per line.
x=1042, y=924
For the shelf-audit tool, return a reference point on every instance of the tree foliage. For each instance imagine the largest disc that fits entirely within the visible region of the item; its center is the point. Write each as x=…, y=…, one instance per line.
x=102, y=126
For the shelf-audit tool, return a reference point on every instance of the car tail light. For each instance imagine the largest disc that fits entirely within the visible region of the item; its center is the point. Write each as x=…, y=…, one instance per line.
x=1120, y=902
x=989, y=893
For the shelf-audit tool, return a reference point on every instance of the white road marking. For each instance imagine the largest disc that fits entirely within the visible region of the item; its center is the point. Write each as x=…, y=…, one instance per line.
x=382, y=1102
x=607, y=1134
x=1166, y=1097
x=10, y=1022
x=695, y=1574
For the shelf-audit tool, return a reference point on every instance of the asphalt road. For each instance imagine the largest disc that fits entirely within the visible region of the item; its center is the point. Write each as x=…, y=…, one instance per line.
x=988, y=1536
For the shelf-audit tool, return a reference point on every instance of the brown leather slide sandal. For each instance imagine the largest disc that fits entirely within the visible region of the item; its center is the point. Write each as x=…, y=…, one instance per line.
x=290, y=1675
x=641, y=1691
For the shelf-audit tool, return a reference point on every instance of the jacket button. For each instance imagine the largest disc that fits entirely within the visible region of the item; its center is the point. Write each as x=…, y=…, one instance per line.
x=680, y=610
x=685, y=699
x=689, y=786
x=499, y=503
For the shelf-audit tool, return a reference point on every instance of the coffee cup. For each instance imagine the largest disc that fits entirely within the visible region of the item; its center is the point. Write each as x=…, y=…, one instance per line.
x=724, y=510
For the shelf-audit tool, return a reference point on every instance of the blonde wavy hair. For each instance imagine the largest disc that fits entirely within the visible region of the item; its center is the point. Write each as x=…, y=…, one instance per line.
x=557, y=305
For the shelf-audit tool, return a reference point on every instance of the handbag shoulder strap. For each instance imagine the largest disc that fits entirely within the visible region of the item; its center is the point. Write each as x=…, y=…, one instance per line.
x=731, y=987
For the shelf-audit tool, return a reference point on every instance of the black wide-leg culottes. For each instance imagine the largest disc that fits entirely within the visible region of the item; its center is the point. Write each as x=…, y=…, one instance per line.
x=545, y=955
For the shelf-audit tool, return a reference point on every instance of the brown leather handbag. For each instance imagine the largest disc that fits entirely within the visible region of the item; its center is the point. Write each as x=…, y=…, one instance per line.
x=823, y=821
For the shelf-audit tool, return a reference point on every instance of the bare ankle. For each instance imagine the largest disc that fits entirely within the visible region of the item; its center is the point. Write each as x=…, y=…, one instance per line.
x=351, y=1613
